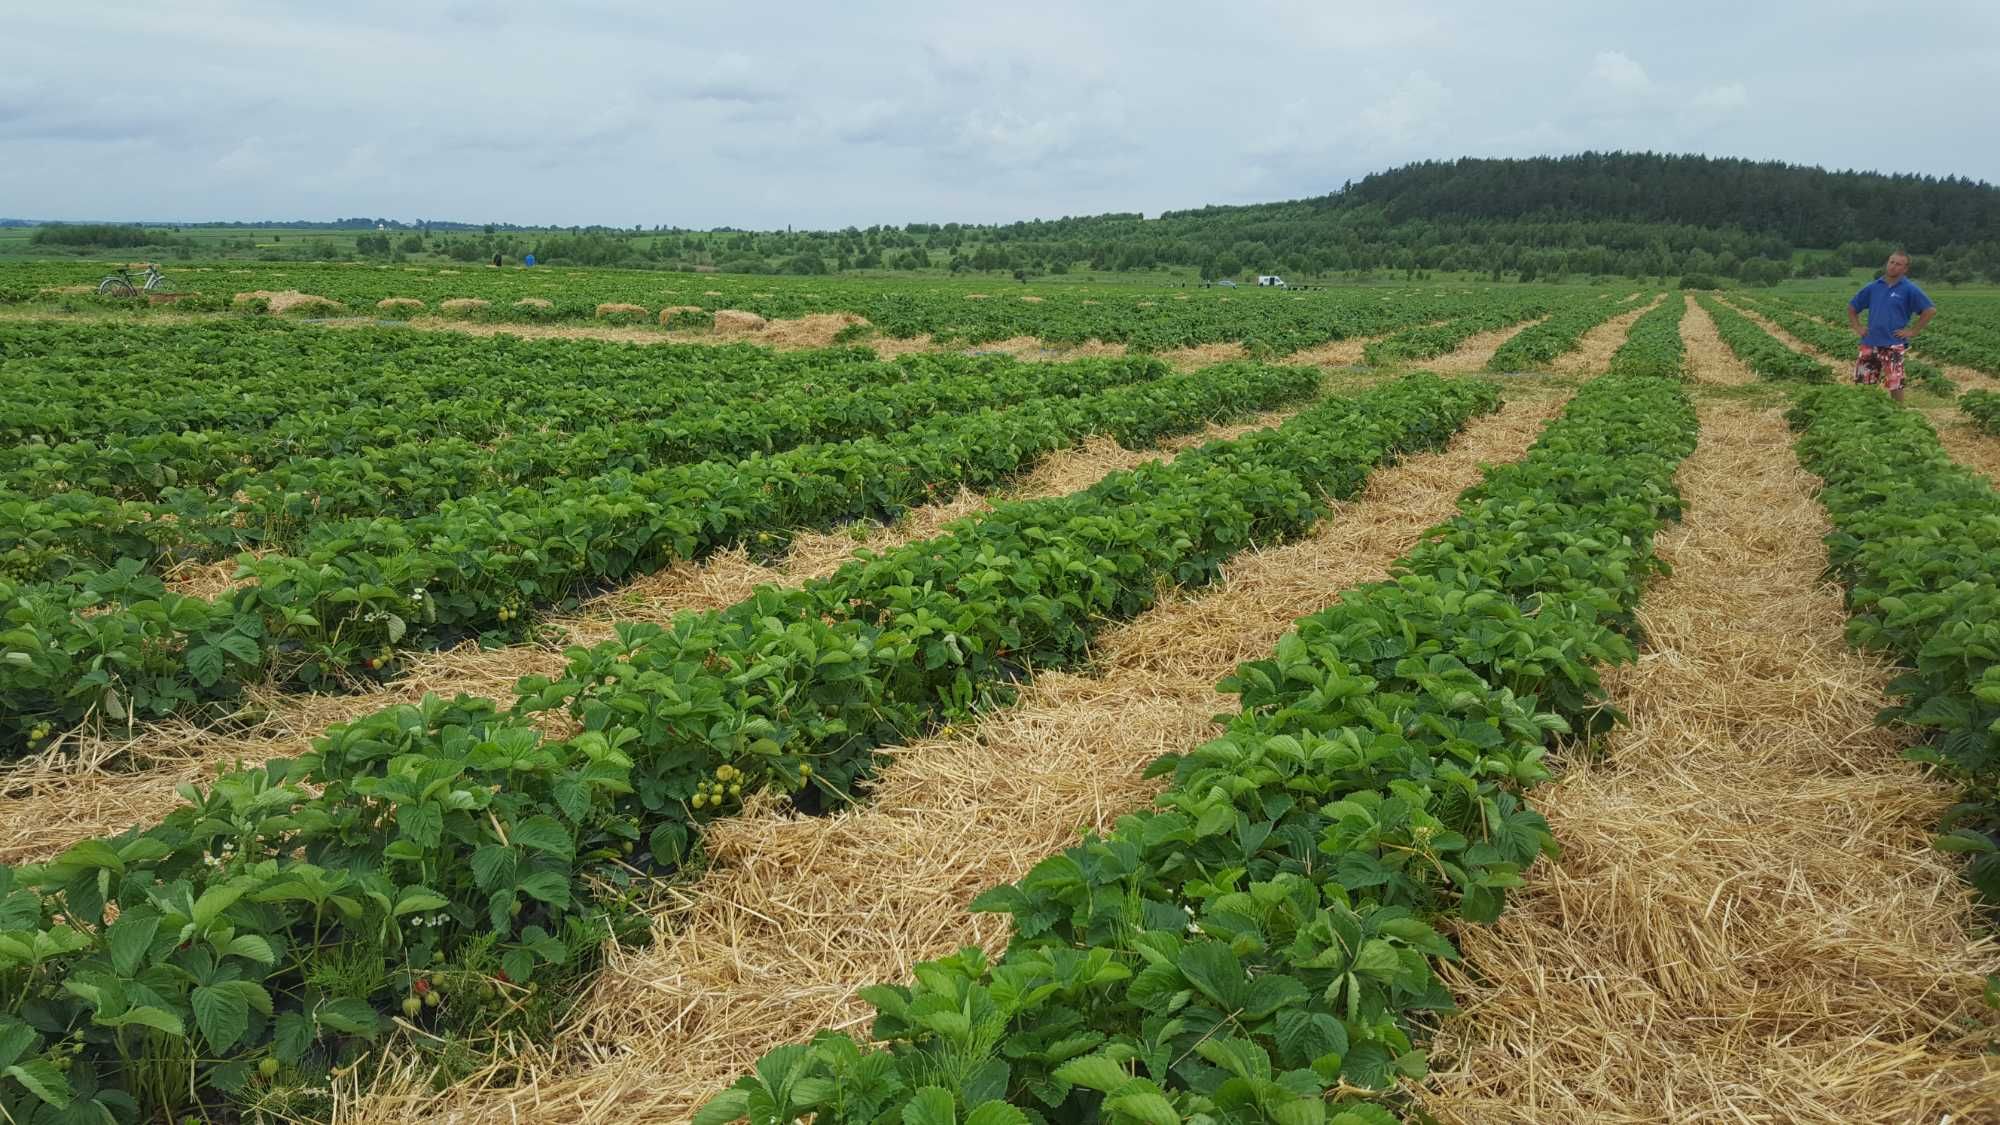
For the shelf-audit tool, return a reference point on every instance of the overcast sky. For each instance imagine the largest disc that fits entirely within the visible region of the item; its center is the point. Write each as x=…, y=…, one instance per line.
x=824, y=115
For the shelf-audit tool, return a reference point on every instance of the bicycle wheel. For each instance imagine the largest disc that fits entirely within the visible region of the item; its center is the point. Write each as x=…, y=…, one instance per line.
x=116, y=287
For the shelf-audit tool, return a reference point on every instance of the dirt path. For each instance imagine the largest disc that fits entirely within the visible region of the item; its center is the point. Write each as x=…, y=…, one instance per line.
x=1471, y=355
x=94, y=789
x=1592, y=353
x=1709, y=359
x=799, y=913
x=1748, y=923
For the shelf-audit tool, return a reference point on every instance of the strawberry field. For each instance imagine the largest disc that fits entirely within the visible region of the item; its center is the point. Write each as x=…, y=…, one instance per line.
x=460, y=903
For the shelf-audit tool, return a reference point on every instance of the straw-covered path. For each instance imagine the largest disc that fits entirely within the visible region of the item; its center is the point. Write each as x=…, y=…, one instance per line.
x=1748, y=923
x=1709, y=359
x=1474, y=351
x=1593, y=350
x=113, y=780
x=797, y=914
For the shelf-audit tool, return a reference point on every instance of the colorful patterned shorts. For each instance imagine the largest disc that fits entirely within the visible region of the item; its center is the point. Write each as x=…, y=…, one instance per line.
x=1881, y=365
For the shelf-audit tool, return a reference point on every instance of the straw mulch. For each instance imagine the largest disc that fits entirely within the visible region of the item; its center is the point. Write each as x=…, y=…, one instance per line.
x=1969, y=378
x=399, y=303
x=1968, y=446
x=1342, y=353
x=1470, y=356
x=1202, y=355
x=534, y=303
x=1030, y=348
x=738, y=321
x=1592, y=353
x=816, y=330
x=798, y=913
x=464, y=304
x=889, y=347
x=613, y=333
x=285, y=300
x=206, y=580
x=619, y=308
x=1709, y=359
x=1748, y=923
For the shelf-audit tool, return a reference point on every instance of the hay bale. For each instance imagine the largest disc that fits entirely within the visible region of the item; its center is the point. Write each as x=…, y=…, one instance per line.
x=464, y=306
x=399, y=303
x=737, y=320
x=1032, y=300
x=615, y=308
x=668, y=314
x=287, y=300
x=537, y=303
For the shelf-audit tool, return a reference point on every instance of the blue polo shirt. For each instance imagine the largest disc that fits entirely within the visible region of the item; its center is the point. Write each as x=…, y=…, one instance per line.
x=1889, y=307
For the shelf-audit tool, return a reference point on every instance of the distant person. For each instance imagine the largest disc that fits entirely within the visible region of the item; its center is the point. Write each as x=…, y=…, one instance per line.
x=528, y=261
x=496, y=261
x=1890, y=301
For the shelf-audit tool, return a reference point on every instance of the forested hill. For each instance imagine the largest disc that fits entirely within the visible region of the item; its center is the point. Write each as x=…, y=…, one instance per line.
x=1548, y=218
x=1804, y=206
x=1624, y=213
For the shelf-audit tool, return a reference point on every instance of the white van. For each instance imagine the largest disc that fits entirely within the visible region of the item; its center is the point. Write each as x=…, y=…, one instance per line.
x=1271, y=279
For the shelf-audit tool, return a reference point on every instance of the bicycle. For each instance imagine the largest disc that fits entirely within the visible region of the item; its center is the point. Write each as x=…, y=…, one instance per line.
x=120, y=284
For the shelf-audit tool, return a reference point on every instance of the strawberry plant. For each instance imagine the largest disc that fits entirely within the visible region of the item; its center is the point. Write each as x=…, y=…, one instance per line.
x=1653, y=344
x=1914, y=537
x=1260, y=945
x=287, y=911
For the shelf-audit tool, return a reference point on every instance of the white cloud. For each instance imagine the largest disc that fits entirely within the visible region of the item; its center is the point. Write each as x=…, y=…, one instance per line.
x=632, y=111
x=1619, y=71
x=1724, y=97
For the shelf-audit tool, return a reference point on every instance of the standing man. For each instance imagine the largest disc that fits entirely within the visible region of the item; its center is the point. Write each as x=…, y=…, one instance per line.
x=1890, y=300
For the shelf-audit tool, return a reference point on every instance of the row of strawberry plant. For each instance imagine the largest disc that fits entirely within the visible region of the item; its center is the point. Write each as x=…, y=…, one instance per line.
x=1838, y=343
x=1535, y=347
x=1982, y=409
x=1267, y=321
x=1430, y=340
x=293, y=503
x=1914, y=538
x=203, y=495
x=311, y=391
x=1653, y=345
x=1260, y=946
x=119, y=644
x=1758, y=350
x=236, y=952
